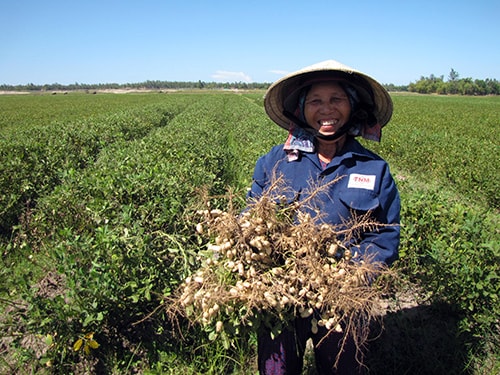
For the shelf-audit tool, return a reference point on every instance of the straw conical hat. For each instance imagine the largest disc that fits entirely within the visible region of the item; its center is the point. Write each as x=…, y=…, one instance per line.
x=283, y=94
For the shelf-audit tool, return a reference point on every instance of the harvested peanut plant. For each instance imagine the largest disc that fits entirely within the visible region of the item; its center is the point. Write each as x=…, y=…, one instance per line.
x=276, y=261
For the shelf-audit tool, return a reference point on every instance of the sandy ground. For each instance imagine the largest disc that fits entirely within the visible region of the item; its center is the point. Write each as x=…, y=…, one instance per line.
x=104, y=91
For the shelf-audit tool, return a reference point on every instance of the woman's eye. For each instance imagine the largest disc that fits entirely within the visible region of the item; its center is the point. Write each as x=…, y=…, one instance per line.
x=314, y=102
x=333, y=100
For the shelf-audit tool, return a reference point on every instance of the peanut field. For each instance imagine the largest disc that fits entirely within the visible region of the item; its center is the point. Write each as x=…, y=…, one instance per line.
x=100, y=198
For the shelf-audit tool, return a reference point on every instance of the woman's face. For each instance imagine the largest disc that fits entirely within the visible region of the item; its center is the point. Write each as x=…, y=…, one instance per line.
x=327, y=107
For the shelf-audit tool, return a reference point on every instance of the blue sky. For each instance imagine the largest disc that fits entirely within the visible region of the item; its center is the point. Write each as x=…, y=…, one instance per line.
x=112, y=41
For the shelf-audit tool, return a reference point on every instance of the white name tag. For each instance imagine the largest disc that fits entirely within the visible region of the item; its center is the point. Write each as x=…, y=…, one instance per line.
x=361, y=181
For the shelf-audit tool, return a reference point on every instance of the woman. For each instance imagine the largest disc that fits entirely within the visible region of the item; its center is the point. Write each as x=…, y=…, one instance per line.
x=324, y=107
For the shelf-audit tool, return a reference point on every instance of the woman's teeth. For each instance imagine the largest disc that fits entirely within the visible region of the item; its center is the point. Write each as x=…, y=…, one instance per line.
x=328, y=122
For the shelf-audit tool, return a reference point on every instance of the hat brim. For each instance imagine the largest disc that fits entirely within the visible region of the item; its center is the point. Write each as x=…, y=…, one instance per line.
x=288, y=87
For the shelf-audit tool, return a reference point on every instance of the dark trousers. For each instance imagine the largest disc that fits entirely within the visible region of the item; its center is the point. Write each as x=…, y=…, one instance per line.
x=285, y=353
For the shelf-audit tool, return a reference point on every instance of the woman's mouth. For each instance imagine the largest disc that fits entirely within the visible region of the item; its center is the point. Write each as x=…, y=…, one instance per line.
x=328, y=125
x=328, y=122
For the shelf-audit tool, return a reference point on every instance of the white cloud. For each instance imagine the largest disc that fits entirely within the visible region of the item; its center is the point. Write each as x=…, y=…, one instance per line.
x=224, y=76
x=280, y=72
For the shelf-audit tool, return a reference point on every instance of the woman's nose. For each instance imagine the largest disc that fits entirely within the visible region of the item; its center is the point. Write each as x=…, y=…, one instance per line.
x=326, y=107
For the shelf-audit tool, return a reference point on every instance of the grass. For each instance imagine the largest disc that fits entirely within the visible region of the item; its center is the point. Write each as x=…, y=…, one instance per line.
x=110, y=217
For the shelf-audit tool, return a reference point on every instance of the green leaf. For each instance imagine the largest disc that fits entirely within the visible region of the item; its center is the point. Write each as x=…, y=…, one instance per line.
x=93, y=344
x=77, y=345
x=212, y=335
x=49, y=339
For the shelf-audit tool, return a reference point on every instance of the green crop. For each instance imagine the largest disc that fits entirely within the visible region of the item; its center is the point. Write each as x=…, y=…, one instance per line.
x=97, y=195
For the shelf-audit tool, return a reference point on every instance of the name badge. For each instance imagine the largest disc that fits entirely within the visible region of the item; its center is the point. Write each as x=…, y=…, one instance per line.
x=361, y=181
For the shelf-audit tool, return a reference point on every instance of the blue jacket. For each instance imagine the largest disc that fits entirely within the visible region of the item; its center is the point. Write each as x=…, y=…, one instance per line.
x=365, y=185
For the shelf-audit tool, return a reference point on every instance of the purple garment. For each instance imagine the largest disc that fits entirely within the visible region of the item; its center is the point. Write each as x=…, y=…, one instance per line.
x=276, y=363
x=284, y=354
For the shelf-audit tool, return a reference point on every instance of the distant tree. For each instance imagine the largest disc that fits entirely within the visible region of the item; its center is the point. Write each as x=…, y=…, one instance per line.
x=493, y=86
x=393, y=87
x=426, y=85
x=481, y=87
x=453, y=76
x=466, y=87
x=442, y=88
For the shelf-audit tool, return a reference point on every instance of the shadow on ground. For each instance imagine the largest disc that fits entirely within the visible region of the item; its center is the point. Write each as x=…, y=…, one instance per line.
x=418, y=340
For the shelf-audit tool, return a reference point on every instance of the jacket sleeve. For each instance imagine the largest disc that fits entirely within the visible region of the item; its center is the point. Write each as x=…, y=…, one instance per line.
x=382, y=244
x=259, y=181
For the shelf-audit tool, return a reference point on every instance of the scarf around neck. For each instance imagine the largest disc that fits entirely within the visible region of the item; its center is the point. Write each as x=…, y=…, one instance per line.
x=300, y=140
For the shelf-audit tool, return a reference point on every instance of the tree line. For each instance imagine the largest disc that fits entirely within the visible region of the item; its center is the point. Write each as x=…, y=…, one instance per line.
x=455, y=86
x=425, y=85
x=147, y=85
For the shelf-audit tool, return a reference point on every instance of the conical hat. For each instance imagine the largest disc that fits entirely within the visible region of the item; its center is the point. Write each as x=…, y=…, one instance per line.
x=283, y=94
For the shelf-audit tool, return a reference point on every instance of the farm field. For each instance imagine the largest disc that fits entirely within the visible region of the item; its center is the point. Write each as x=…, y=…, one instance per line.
x=97, y=195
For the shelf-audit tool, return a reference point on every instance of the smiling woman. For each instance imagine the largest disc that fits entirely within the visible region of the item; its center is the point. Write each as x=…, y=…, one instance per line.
x=324, y=107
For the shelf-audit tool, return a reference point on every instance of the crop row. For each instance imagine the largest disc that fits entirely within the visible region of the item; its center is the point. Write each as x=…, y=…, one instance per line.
x=18, y=111
x=35, y=159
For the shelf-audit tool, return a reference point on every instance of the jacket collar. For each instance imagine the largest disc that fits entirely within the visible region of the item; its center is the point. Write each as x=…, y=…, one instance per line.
x=352, y=149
